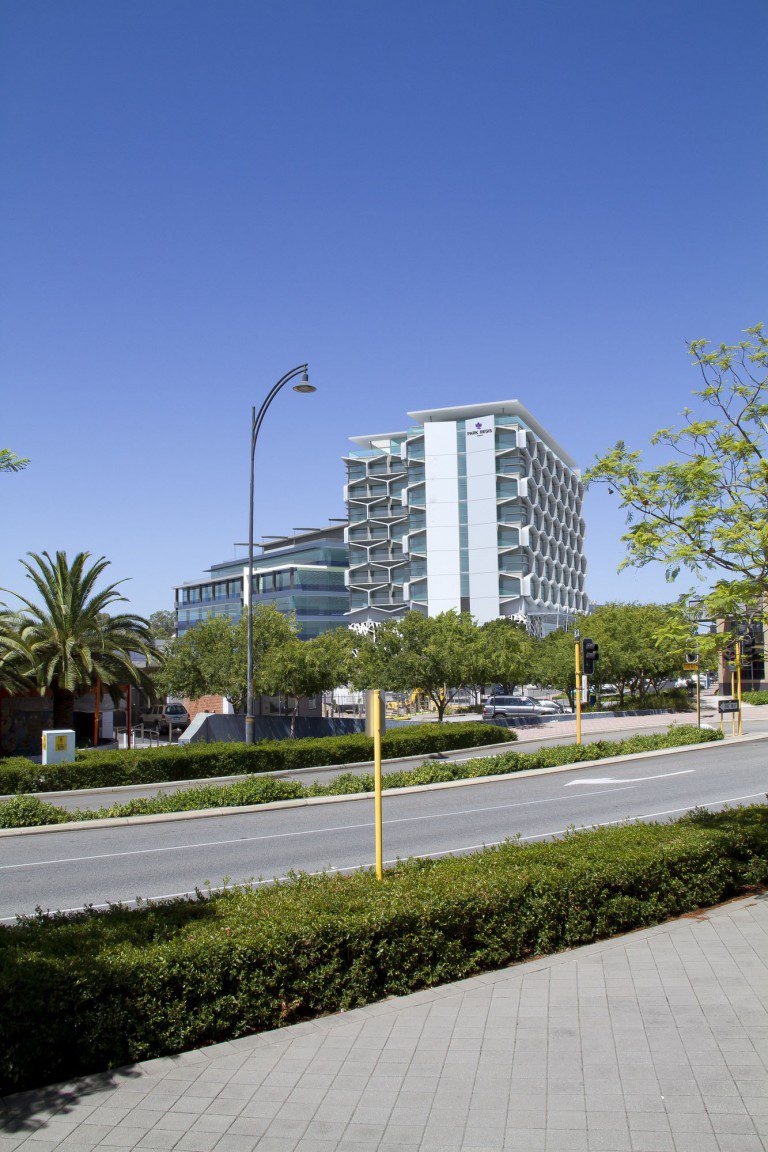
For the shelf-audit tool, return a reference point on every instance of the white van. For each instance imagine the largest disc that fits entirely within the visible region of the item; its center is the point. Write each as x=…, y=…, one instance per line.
x=161, y=715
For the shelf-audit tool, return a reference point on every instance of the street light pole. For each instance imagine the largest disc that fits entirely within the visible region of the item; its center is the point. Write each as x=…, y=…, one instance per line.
x=257, y=419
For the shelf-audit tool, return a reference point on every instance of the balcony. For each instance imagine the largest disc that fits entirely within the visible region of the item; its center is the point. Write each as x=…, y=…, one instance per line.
x=506, y=489
x=385, y=472
x=509, y=536
x=367, y=533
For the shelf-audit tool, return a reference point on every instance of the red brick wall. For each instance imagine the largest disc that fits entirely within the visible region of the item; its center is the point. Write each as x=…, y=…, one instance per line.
x=204, y=704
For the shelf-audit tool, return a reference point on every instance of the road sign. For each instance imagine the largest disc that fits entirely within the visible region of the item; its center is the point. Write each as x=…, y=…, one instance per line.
x=690, y=667
x=728, y=706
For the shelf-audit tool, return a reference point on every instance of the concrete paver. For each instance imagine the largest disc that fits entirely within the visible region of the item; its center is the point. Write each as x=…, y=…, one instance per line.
x=652, y=1042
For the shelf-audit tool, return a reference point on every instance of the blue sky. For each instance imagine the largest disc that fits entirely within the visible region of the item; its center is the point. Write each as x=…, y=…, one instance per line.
x=432, y=202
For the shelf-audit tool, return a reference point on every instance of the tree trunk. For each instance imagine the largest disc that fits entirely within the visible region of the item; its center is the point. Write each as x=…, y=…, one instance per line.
x=293, y=718
x=63, y=708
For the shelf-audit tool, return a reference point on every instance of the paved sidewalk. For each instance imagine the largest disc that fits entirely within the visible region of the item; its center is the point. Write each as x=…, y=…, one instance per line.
x=653, y=1042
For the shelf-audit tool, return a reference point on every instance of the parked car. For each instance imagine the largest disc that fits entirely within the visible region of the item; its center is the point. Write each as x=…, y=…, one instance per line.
x=161, y=715
x=502, y=706
x=551, y=706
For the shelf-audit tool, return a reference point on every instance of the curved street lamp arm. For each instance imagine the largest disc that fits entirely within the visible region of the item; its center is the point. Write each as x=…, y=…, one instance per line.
x=256, y=421
x=259, y=418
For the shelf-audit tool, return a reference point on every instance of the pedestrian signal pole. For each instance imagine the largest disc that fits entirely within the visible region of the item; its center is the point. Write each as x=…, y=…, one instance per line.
x=693, y=664
x=577, y=635
x=377, y=784
x=738, y=680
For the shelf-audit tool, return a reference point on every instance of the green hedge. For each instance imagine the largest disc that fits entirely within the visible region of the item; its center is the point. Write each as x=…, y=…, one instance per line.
x=674, y=700
x=110, y=767
x=755, y=697
x=27, y=811
x=82, y=994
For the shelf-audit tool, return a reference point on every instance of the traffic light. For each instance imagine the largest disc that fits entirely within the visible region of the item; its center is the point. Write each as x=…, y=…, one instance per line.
x=590, y=653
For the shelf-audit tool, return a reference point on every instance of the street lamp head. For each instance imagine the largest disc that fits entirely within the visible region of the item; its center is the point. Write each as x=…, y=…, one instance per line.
x=305, y=385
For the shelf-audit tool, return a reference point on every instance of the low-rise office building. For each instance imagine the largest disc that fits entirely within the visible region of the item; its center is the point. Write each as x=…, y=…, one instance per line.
x=302, y=573
x=475, y=508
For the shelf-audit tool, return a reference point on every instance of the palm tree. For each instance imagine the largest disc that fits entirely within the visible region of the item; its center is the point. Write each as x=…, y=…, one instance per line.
x=14, y=655
x=9, y=462
x=70, y=640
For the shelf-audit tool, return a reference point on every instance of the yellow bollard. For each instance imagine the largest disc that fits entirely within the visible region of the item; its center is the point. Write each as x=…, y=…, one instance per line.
x=377, y=783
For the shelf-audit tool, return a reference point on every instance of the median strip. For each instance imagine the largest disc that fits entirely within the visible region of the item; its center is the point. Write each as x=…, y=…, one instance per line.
x=26, y=815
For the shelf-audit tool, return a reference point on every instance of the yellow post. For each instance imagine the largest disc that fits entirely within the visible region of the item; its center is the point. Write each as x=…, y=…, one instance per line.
x=738, y=679
x=698, y=696
x=578, y=691
x=377, y=783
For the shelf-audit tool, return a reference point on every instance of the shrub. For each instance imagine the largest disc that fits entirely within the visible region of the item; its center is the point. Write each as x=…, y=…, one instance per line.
x=112, y=767
x=258, y=790
x=674, y=700
x=756, y=697
x=28, y=811
x=84, y=993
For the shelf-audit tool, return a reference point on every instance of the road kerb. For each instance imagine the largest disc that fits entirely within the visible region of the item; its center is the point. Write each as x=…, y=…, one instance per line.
x=308, y=801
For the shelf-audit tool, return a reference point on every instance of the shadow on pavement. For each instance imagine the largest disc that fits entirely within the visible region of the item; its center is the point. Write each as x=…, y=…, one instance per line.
x=28, y=1111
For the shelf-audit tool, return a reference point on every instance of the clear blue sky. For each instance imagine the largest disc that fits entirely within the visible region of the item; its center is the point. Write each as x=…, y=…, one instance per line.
x=432, y=202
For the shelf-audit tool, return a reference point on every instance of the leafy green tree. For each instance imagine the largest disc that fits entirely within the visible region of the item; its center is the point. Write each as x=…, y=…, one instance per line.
x=301, y=668
x=704, y=510
x=70, y=640
x=638, y=650
x=210, y=659
x=437, y=654
x=10, y=462
x=163, y=625
x=506, y=653
x=553, y=662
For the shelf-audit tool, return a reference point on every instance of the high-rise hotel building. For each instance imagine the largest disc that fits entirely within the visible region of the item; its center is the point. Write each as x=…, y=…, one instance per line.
x=475, y=508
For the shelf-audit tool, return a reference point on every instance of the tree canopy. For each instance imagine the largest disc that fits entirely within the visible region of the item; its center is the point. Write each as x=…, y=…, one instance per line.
x=162, y=624
x=438, y=654
x=301, y=668
x=704, y=509
x=210, y=659
x=66, y=641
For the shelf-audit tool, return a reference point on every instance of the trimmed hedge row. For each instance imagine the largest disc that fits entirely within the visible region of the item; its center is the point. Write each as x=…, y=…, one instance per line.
x=86, y=993
x=756, y=697
x=675, y=700
x=112, y=767
x=27, y=811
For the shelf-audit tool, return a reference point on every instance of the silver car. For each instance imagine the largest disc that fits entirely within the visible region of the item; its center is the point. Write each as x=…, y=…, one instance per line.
x=551, y=707
x=502, y=706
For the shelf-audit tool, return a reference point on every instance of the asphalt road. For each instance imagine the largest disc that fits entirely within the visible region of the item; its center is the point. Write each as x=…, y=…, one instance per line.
x=66, y=870
x=549, y=737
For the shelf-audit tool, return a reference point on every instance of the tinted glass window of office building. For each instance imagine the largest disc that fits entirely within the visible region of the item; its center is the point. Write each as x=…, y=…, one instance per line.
x=302, y=574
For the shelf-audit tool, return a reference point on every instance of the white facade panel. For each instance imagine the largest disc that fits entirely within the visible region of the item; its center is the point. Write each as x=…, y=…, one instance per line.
x=482, y=519
x=441, y=471
x=454, y=559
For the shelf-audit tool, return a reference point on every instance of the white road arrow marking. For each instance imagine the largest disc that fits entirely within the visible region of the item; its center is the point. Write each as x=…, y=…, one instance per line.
x=627, y=779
